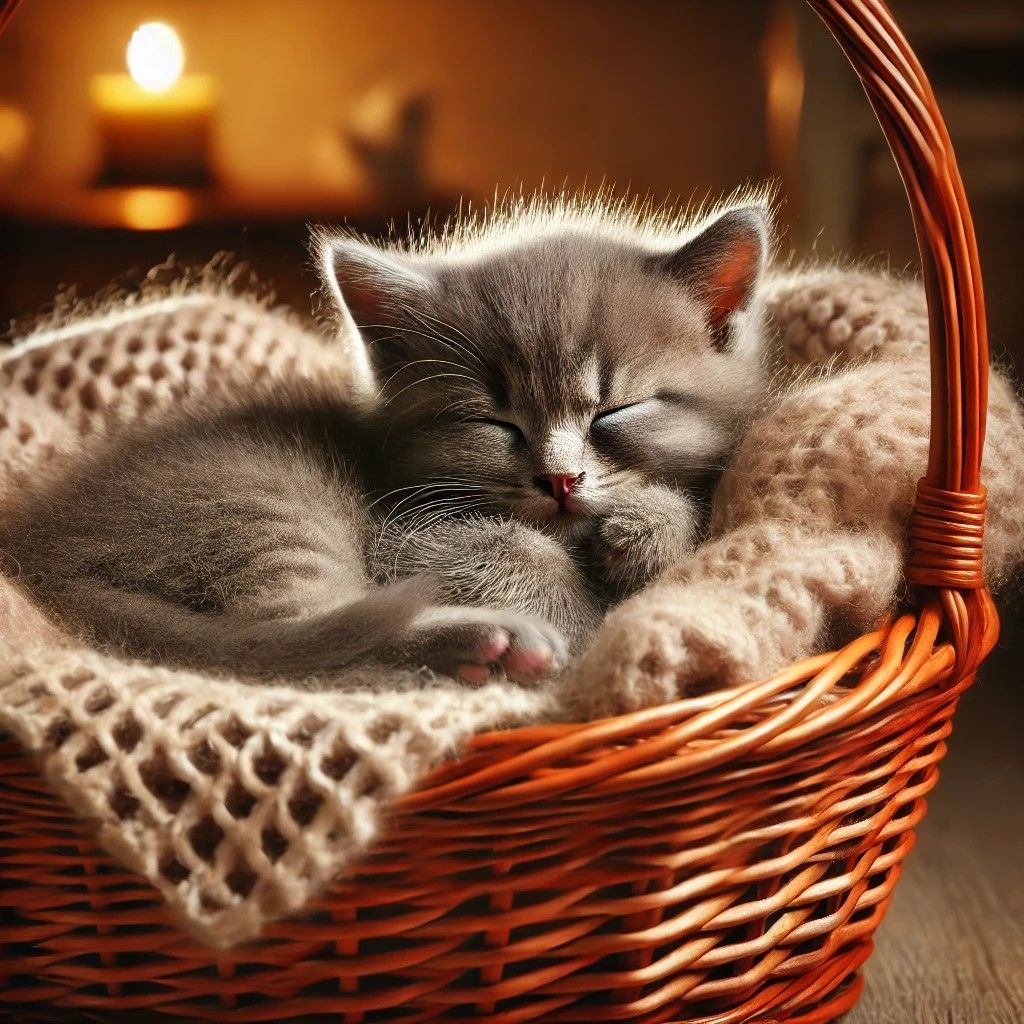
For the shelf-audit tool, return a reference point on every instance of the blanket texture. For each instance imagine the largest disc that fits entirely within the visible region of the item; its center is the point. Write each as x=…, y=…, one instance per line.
x=239, y=802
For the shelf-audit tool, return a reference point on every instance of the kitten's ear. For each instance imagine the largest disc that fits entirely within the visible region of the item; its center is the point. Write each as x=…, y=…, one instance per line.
x=721, y=267
x=372, y=285
x=372, y=288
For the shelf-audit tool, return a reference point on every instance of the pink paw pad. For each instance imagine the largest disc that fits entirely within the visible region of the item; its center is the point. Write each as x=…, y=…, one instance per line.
x=495, y=646
x=530, y=662
x=475, y=674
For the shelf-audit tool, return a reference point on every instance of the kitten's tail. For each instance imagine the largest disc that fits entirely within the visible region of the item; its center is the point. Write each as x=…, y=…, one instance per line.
x=152, y=628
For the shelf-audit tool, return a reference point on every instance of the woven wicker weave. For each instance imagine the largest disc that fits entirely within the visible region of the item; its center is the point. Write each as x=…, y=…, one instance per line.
x=719, y=860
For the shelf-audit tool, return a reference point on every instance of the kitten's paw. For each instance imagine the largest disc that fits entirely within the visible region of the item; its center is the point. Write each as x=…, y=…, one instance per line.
x=643, y=537
x=472, y=644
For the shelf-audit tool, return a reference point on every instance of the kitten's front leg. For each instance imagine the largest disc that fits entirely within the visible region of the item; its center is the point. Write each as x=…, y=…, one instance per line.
x=497, y=564
x=649, y=531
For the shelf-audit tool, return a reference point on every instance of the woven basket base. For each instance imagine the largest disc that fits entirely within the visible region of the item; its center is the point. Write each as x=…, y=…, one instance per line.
x=547, y=934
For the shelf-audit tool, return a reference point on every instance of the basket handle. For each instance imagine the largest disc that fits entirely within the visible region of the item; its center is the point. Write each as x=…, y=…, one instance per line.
x=948, y=519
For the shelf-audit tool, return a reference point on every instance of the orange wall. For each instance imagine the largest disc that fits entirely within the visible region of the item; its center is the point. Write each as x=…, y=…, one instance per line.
x=661, y=95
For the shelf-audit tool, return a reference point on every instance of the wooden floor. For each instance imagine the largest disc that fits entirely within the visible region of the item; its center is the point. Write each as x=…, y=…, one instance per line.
x=951, y=950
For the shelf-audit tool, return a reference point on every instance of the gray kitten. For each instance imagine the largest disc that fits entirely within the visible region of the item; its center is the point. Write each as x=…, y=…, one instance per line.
x=542, y=402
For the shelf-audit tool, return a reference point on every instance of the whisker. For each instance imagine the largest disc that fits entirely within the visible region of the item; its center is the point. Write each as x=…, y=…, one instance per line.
x=436, y=484
x=427, y=380
x=425, y=515
x=387, y=519
x=396, y=490
x=461, y=403
x=433, y=521
x=416, y=362
x=470, y=348
x=405, y=329
x=427, y=508
x=447, y=326
x=428, y=485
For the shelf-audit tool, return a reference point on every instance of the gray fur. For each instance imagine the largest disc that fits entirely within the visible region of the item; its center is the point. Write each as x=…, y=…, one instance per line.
x=294, y=534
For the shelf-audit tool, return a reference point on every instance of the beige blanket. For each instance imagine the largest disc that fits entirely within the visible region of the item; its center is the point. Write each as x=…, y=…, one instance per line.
x=240, y=802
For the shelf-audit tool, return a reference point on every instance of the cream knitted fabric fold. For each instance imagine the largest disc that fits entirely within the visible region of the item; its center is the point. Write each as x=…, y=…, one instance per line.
x=809, y=519
x=239, y=803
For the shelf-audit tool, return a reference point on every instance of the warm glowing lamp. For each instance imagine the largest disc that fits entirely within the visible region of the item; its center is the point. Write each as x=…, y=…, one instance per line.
x=154, y=122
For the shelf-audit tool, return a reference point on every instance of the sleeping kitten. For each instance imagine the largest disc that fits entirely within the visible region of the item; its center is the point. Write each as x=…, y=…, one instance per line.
x=541, y=406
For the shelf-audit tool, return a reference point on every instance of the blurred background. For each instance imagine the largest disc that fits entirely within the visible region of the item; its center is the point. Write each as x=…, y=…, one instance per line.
x=374, y=112
x=247, y=119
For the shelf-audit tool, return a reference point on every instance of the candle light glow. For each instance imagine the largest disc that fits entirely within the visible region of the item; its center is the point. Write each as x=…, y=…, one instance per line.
x=154, y=122
x=155, y=209
x=155, y=56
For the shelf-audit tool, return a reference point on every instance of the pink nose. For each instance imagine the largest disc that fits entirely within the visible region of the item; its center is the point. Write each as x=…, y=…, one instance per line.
x=558, y=485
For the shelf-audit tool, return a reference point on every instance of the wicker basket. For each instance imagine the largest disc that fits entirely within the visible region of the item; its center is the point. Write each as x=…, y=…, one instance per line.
x=718, y=860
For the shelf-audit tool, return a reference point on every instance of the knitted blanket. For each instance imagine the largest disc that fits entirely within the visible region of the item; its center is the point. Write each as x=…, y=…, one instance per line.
x=240, y=802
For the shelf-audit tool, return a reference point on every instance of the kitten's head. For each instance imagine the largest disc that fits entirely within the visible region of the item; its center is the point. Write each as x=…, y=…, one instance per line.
x=541, y=369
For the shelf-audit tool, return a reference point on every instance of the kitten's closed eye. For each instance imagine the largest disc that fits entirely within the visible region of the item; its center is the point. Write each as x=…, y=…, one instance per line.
x=607, y=415
x=504, y=425
x=623, y=414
